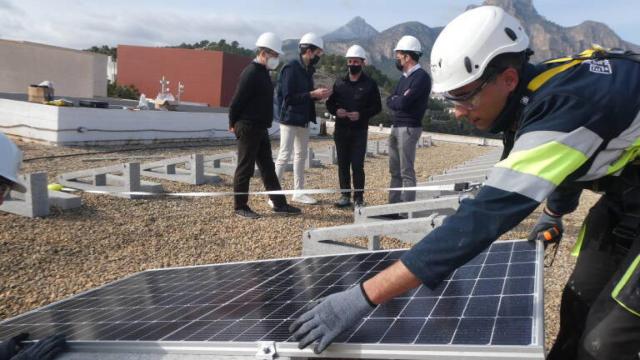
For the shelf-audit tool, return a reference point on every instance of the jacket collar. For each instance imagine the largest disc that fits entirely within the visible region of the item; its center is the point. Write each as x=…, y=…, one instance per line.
x=310, y=69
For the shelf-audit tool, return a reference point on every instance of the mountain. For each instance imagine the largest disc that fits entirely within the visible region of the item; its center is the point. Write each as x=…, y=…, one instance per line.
x=548, y=39
x=357, y=28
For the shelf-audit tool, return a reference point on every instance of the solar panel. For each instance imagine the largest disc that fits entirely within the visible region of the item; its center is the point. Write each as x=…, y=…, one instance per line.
x=492, y=304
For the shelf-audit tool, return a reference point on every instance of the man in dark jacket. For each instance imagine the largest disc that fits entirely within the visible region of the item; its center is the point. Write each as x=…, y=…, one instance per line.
x=295, y=109
x=408, y=102
x=250, y=115
x=355, y=99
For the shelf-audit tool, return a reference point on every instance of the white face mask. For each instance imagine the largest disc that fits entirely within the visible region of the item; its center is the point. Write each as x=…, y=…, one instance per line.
x=273, y=62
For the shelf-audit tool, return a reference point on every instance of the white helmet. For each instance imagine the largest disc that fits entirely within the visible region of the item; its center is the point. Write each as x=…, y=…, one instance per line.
x=356, y=51
x=409, y=43
x=312, y=39
x=469, y=42
x=10, y=161
x=270, y=41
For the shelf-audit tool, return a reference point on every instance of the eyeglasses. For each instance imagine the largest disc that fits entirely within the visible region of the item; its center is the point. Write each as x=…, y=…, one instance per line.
x=469, y=100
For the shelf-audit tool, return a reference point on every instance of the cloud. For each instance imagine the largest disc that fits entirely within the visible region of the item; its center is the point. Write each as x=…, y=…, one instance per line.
x=153, y=27
x=8, y=6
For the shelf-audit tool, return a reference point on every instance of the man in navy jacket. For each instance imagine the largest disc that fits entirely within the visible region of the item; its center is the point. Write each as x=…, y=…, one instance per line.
x=408, y=102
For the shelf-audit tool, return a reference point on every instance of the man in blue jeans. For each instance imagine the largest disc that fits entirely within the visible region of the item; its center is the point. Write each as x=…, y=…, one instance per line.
x=408, y=102
x=355, y=99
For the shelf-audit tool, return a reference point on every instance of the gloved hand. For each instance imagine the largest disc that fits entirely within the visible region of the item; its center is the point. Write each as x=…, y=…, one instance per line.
x=547, y=223
x=45, y=349
x=11, y=347
x=330, y=316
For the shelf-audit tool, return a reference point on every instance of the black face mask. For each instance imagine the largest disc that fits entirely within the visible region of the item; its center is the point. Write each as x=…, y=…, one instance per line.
x=398, y=64
x=354, y=69
x=314, y=60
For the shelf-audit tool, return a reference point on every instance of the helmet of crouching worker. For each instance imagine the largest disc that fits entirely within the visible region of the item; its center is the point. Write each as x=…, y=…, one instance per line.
x=10, y=160
x=460, y=55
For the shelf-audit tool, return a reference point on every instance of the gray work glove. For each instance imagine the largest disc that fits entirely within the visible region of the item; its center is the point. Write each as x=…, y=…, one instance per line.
x=328, y=317
x=45, y=349
x=548, y=228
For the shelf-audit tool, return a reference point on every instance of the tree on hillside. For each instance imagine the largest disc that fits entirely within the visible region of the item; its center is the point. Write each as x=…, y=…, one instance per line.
x=222, y=45
x=104, y=49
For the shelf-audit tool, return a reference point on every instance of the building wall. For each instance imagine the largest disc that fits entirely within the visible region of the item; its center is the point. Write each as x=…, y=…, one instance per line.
x=208, y=76
x=233, y=66
x=73, y=72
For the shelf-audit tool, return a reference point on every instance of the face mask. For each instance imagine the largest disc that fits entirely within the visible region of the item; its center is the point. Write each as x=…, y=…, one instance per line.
x=398, y=64
x=314, y=60
x=354, y=69
x=273, y=62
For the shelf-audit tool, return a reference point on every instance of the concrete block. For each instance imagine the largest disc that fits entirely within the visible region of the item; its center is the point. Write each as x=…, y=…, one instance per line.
x=192, y=171
x=63, y=200
x=221, y=164
x=425, y=141
x=118, y=180
x=34, y=202
x=312, y=160
x=328, y=157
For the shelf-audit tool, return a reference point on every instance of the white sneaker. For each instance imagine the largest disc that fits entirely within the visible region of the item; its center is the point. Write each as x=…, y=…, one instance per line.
x=270, y=203
x=304, y=199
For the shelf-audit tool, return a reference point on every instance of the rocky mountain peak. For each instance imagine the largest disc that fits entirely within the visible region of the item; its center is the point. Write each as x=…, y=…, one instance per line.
x=356, y=28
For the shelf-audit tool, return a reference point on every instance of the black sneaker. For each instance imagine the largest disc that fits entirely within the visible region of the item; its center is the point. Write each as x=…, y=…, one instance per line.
x=286, y=209
x=358, y=203
x=343, y=202
x=247, y=213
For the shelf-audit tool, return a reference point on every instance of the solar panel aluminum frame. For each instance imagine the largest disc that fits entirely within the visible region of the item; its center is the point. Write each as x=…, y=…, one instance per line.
x=338, y=350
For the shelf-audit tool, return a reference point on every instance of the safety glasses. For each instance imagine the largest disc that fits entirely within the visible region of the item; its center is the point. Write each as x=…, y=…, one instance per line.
x=469, y=100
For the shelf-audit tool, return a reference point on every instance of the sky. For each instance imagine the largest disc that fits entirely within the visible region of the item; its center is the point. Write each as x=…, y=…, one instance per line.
x=80, y=24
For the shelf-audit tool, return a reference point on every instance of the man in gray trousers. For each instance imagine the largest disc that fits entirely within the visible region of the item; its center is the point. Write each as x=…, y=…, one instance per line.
x=408, y=102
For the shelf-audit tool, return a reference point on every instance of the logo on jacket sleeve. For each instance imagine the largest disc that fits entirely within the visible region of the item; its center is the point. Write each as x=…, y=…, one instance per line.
x=599, y=66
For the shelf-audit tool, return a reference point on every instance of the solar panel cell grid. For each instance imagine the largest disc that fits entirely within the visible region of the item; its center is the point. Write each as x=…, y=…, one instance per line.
x=490, y=300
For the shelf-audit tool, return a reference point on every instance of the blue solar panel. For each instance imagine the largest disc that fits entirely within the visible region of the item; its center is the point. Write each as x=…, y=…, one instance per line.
x=490, y=301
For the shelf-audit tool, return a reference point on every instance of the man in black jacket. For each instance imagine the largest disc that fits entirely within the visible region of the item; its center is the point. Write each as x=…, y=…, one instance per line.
x=250, y=115
x=295, y=109
x=355, y=99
